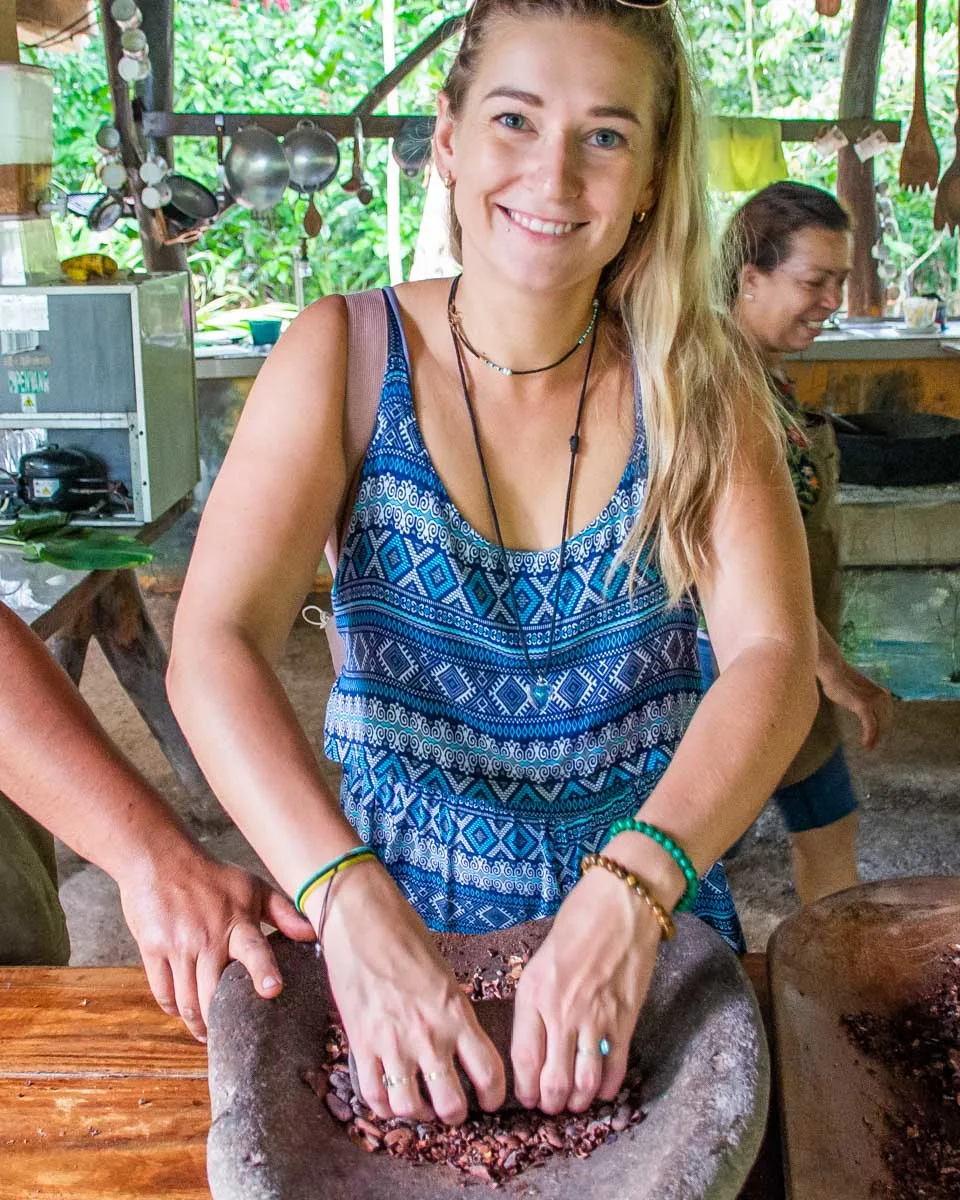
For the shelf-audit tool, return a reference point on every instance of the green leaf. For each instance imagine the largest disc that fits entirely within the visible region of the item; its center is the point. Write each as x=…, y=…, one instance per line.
x=36, y=524
x=101, y=552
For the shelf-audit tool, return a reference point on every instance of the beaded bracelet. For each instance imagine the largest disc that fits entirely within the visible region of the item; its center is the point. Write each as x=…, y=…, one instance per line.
x=676, y=852
x=667, y=927
x=318, y=878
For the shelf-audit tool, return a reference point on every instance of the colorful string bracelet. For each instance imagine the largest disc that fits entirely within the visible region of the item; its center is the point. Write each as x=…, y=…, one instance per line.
x=667, y=927
x=319, y=878
x=676, y=852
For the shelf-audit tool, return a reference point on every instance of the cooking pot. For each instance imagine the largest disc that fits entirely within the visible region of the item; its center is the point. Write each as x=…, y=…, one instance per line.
x=256, y=168
x=313, y=155
x=59, y=477
x=190, y=206
x=898, y=449
x=413, y=144
x=105, y=213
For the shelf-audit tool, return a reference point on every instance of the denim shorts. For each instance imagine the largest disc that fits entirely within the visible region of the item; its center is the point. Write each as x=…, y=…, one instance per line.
x=823, y=797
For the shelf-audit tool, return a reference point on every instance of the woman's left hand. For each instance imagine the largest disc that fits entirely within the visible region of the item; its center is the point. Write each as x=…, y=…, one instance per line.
x=585, y=983
x=870, y=703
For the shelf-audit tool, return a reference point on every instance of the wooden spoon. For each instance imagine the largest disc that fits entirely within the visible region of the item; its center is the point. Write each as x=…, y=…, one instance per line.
x=946, y=212
x=920, y=161
x=312, y=221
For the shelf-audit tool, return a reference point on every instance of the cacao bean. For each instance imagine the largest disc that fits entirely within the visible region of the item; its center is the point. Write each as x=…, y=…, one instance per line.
x=339, y=1108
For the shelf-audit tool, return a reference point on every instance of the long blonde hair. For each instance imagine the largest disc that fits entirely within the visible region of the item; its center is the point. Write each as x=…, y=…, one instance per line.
x=698, y=375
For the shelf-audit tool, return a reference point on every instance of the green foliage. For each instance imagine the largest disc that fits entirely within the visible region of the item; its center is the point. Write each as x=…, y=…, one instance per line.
x=323, y=55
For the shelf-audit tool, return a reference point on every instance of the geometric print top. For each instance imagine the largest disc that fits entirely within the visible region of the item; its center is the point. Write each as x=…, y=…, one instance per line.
x=479, y=802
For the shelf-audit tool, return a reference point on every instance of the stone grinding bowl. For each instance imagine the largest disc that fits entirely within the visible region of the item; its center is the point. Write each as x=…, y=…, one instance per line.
x=699, y=1043
x=875, y=948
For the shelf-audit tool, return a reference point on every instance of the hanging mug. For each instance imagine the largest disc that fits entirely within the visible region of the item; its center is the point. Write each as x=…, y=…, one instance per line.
x=133, y=70
x=126, y=14
x=156, y=195
x=133, y=43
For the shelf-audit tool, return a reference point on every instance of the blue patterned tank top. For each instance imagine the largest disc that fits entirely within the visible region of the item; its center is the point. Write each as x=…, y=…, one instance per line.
x=480, y=803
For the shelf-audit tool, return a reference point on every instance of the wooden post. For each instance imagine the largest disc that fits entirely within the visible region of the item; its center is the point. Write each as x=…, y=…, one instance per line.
x=156, y=256
x=9, y=44
x=855, y=181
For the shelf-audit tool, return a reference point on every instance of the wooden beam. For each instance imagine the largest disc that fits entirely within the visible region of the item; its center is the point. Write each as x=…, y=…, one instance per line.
x=340, y=125
x=855, y=180
x=394, y=78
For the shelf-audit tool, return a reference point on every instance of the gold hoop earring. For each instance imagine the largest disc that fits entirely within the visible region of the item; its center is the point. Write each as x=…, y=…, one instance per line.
x=448, y=181
x=640, y=217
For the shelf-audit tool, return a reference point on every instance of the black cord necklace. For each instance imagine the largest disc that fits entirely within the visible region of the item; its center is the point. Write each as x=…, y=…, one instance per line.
x=456, y=324
x=538, y=690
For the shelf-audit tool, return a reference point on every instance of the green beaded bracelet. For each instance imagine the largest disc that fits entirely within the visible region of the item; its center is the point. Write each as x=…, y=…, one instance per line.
x=676, y=852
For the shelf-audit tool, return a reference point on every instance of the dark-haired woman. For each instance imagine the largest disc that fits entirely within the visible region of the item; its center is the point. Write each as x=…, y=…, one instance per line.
x=787, y=254
x=570, y=414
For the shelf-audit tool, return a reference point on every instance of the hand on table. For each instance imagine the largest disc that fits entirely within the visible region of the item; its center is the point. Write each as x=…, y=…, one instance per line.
x=586, y=982
x=191, y=916
x=402, y=1009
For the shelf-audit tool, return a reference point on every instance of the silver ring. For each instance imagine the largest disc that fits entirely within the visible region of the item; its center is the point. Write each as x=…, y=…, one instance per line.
x=392, y=1081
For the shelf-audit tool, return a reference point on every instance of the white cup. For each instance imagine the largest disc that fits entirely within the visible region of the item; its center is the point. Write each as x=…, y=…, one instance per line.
x=133, y=70
x=156, y=195
x=919, y=312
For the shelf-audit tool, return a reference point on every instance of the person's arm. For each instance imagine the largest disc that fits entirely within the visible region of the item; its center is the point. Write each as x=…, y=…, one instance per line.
x=189, y=914
x=262, y=535
x=589, y=978
x=870, y=703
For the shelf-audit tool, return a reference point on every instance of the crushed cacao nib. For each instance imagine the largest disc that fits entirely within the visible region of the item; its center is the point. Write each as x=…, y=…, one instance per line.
x=489, y=1148
x=920, y=1047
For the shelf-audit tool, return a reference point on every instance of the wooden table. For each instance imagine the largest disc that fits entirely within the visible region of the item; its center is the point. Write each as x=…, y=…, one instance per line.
x=102, y=1096
x=68, y=608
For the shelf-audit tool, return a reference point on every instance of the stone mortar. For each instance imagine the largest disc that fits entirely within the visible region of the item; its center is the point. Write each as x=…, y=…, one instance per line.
x=699, y=1043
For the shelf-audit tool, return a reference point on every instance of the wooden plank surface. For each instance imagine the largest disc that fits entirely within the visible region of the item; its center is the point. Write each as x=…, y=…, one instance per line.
x=86, y=1021
x=103, y=1097
x=94, y=1139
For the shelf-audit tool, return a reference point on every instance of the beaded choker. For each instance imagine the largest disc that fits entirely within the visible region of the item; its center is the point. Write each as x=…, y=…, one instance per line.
x=456, y=324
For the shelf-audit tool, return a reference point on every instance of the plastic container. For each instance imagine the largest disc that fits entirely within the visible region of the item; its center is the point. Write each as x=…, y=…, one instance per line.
x=26, y=137
x=264, y=333
x=26, y=101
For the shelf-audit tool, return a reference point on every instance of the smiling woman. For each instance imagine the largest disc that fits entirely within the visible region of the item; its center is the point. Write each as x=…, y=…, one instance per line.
x=570, y=440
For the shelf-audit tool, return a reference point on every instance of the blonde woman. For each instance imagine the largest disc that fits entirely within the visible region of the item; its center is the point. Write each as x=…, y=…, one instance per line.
x=566, y=445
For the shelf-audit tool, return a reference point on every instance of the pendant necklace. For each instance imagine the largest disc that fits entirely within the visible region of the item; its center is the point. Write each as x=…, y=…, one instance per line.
x=538, y=691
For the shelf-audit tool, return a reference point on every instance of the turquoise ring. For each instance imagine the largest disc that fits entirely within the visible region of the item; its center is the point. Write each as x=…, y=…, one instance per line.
x=604, y=1047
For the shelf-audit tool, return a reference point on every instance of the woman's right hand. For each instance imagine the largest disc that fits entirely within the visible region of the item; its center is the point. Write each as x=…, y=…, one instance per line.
x=401, y=1007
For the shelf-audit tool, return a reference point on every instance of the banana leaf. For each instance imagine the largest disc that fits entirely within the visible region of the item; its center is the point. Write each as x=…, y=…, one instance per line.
x=36, y=524
x=48, y=537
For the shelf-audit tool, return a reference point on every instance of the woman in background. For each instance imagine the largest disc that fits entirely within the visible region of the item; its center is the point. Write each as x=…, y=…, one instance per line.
x=787, y=255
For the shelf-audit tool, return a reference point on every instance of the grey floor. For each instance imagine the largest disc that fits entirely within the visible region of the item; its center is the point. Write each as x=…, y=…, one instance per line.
x=910, y=789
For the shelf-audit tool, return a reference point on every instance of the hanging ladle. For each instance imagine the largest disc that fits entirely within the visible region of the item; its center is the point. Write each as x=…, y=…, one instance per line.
x=946, y=213
x=314, y=159
x=920, y=161
x=357, y=184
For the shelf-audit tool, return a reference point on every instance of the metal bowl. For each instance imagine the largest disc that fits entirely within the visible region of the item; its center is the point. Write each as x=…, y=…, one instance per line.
x=256, y=168
x=313, y=156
